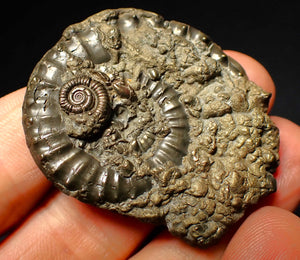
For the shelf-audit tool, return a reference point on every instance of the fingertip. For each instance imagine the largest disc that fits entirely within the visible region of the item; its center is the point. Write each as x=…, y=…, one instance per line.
x=10, y=101
x=287, y=174
x=256, y=72
x=268, y=233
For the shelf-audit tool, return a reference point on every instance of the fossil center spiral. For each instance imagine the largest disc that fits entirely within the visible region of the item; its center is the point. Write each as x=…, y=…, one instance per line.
x=86, y=105
x=77, y=96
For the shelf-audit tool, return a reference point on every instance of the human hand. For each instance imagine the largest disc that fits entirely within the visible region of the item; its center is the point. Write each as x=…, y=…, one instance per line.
x=46, y=224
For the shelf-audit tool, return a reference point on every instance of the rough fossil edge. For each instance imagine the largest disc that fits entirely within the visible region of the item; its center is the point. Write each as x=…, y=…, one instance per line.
x=207, y=231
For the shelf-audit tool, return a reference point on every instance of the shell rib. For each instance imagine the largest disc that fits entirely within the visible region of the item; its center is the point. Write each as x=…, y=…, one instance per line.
x=74, y=171
x=174, y=145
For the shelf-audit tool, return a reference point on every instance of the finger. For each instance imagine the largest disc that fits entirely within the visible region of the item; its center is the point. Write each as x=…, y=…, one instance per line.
x=166, y=246
x=256, y=72
x=65, y=228
x=269, y=233
x=287, y=175
x=21, y=183
x=11, y=101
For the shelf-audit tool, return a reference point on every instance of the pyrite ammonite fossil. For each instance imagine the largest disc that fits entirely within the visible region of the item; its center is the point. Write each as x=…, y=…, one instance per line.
x=151, y=119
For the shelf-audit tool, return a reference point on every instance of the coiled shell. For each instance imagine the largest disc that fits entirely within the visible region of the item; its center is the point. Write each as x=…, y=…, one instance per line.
x=86, y=103
x=152, y=119
x=76, y=96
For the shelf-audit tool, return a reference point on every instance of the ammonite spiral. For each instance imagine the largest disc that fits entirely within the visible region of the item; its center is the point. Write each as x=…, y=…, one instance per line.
x=86, y=102
x=150, y=118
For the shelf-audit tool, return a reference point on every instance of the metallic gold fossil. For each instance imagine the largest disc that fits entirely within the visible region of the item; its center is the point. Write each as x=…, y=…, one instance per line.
x=151, y=119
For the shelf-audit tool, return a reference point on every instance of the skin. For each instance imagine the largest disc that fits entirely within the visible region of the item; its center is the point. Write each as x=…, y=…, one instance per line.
x=46, y=224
